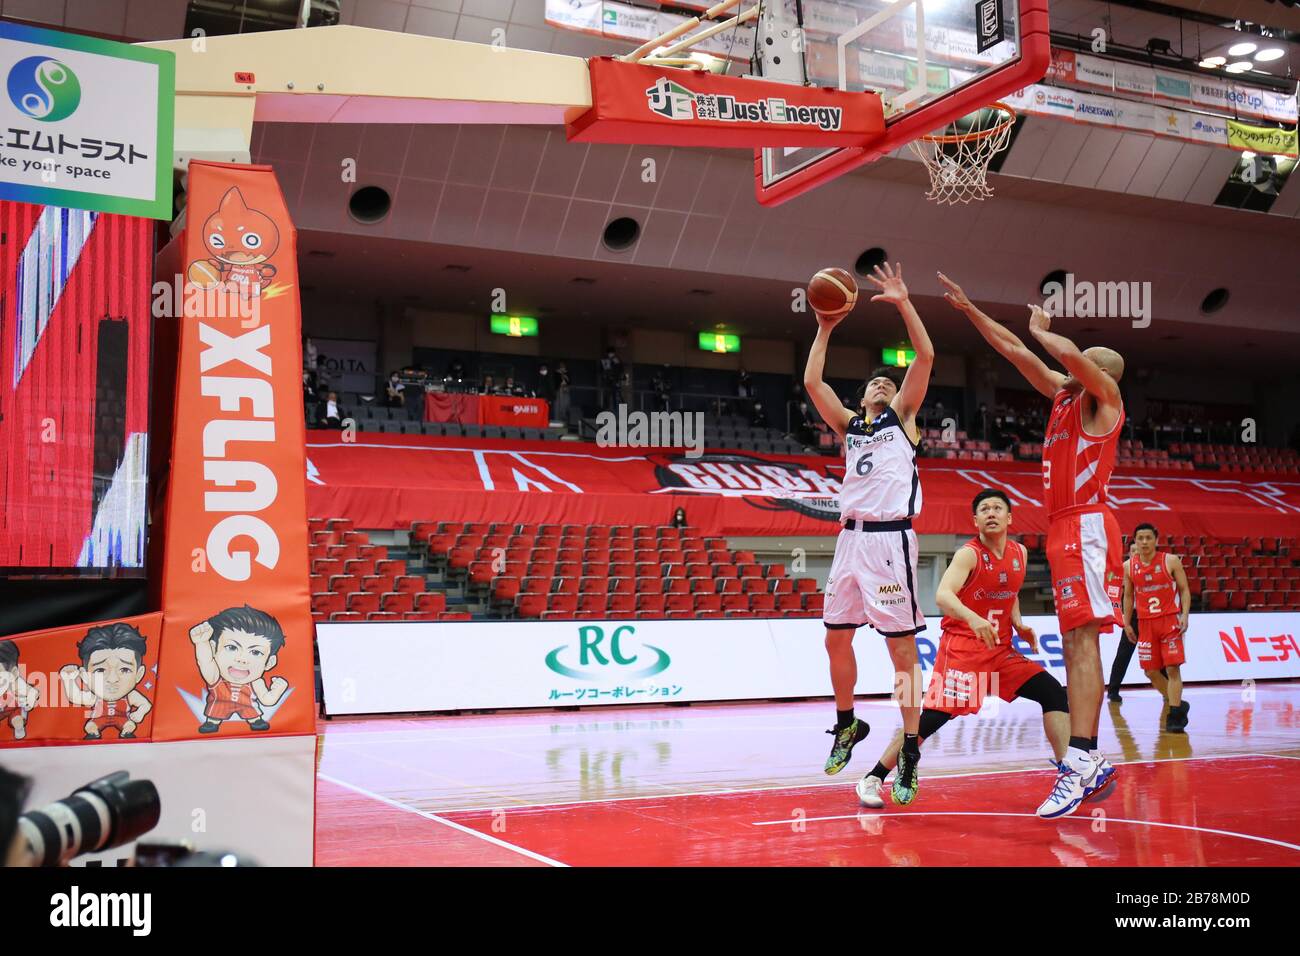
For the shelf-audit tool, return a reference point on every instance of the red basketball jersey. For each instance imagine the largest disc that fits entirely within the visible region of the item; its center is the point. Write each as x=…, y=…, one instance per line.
x=1155, y=592
x=991, y=590
x=1076, y=465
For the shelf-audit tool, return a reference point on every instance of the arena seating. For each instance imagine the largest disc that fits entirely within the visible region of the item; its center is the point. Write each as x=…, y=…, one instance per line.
x=550, y=572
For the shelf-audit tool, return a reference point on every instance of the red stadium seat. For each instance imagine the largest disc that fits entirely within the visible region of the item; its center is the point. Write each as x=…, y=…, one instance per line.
x=398, y=602
x=814, y=602
x=455, y=616
x=622, y=604
x=431, y=602
x=530, y=604
x=805, y=585
x=363, y=603
x=708, y=602
x=413, y=583
x=650, y=603
x=678, y=602
x=593, y=602
x=344, y=583
x=762, y=603
x=328, y=603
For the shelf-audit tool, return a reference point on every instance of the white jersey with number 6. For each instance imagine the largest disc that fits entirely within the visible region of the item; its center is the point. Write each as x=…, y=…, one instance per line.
x=881, y=481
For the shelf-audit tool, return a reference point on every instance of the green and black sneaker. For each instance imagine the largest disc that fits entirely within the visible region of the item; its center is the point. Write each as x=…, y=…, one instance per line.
x=845, y=740
x=905, y=779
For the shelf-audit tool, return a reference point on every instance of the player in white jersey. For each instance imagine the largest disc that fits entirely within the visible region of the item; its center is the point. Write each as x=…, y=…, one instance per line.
x=873, y=576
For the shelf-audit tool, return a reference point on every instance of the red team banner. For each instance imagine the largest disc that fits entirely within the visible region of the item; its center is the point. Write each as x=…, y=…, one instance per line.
x=237, y=629
x=389, y=481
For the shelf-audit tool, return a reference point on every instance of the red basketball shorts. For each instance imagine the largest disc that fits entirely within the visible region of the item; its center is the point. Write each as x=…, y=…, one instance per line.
x=966, y=671
x=1084, y=551
x=1160, y=642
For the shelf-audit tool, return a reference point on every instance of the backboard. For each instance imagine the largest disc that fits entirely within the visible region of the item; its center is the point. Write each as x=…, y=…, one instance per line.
x=931, y=61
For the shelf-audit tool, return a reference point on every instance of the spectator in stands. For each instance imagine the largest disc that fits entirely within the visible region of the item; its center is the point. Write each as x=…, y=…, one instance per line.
x=309, y=397
x=758, y=418
x=309, y=354
x=745, y=389
x=560, y=410
x=982, y=421
x=330, y=413
x=545, y=384
x=679, y=518
x=806, y=426
x=625, y=389
x=456, y=372
x=611, y=375
x=395, y=392
x=511, y=387
x=489, y=386
x=663, y=390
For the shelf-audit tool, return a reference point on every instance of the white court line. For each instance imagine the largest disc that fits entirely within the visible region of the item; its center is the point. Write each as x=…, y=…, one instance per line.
x=1084, y=819
x=814, y=786
x=437, y=819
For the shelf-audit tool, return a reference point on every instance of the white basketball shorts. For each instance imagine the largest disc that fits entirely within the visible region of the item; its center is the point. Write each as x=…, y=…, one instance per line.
x=873, y=581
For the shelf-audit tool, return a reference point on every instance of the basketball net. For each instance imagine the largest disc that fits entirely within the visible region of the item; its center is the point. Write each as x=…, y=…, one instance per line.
x=958, y=163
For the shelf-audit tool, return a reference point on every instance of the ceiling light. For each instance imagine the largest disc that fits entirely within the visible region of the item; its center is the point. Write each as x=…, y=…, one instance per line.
x=1269, y=55
x=1212, y=61
x=1241, y=49
x=1241, y=66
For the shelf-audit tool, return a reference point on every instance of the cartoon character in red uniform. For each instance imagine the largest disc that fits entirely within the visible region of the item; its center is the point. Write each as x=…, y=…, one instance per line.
x=234, y=649
x=241, y=240
x=107, y=682
x=17, y=696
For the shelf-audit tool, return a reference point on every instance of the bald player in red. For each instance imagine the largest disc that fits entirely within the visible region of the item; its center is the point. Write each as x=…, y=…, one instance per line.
x=1156, y=584
x=1084, y=544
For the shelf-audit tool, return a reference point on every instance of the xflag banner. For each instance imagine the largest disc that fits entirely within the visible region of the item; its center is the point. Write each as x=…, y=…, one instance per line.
x=237, y=630
x=663, y=106
x=390, y=481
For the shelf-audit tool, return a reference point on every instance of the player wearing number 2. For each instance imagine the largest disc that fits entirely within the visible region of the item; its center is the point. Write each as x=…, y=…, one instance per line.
x=873, y=576
x=1083, y=540
x=1157, y=584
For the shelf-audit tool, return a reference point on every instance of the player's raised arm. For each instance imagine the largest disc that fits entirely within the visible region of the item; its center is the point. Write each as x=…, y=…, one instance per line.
x=954, y=578
x=823, y=397
x=1099, y=378
x=912, y=392
x=1007, y=344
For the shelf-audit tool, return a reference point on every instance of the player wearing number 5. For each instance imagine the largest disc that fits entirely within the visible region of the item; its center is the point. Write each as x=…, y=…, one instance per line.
x=1084, y=545
x=980, y=598
x=1157, y=584
x=873, y=576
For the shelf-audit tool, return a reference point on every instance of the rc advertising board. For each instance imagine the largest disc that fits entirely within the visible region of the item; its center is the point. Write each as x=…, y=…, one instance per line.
x=407, y=667
x=86, y=123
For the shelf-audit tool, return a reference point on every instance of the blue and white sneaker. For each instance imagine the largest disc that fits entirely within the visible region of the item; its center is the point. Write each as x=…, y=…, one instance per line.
x=1067, y=794
x=1103, y=786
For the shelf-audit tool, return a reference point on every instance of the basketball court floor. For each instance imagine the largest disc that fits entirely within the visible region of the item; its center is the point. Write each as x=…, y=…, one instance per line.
x=741, y=785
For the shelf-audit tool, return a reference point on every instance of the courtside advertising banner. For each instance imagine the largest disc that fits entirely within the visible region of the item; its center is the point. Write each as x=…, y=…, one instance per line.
x=389, y=667
x=237, y=629
x=86, y=123
x=636, y=103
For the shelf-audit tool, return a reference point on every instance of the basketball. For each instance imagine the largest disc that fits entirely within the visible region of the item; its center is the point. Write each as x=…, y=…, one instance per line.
x=832, y=292
x=204, y=274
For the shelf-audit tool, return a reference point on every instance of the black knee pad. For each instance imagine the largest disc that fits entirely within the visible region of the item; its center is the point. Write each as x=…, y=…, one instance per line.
x=931, y=721
x=1046, y=691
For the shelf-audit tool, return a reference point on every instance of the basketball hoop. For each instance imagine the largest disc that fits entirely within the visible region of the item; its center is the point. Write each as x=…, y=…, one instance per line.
x=958, y=163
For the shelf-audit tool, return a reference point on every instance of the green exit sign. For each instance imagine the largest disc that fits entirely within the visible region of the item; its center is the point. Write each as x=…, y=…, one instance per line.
x=900, y=358
x=514, y=325
x=719, y=342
